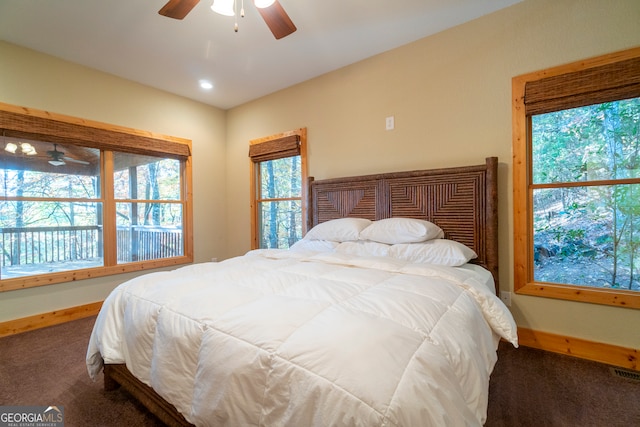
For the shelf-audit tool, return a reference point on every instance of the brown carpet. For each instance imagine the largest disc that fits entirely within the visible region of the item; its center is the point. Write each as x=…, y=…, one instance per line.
x=528, y=387
x=47, y=367
x=537, y=388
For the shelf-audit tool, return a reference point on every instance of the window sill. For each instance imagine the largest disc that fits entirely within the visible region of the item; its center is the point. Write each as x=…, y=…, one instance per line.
x=89, y=273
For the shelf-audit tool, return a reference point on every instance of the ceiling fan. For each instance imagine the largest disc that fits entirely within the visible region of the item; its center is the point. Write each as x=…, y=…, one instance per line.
x=271, y=11
x=57, y=158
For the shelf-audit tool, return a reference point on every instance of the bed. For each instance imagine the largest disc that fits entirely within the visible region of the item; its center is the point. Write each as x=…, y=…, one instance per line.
x=356, y=324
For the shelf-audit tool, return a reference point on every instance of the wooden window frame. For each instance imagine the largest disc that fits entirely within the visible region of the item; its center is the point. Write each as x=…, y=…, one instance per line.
x=273, y=147
x=594, y=77
x=22, y=122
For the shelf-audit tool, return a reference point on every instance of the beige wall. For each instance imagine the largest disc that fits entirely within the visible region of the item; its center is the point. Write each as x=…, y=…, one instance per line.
x=451, y=97
x=38, y=81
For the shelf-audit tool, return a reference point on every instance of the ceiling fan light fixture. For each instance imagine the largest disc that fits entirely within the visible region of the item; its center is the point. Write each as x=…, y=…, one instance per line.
x=272, y=12
x=56, y=162
x=263, y=3
x=224, y=7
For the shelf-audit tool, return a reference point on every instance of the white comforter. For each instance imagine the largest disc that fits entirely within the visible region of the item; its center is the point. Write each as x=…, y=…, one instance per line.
x=283, y=338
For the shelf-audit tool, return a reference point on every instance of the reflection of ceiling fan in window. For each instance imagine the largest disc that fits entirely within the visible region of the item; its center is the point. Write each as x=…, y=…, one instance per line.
x=57, y=158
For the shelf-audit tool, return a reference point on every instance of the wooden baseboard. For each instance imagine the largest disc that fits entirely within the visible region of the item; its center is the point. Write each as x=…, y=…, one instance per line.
x=590, y=350
x=43, y=320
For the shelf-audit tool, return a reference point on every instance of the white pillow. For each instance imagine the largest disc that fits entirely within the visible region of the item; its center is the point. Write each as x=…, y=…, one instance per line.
x=363, y=248
x=314, y=245
x=338, y=230
x=401, y=230
x=436, y=251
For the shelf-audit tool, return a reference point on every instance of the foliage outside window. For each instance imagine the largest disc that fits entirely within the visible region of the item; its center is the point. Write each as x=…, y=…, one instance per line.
x=278, y=171
x=577, y=181
x=73, y=207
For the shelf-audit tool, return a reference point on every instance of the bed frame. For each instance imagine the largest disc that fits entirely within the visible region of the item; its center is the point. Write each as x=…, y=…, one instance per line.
x=461, y=200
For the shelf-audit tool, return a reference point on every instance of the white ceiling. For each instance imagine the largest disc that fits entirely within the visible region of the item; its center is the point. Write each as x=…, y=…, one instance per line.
x=128, y=38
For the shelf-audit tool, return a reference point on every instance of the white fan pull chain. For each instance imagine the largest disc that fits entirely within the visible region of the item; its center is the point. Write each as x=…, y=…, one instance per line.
x=235, y=25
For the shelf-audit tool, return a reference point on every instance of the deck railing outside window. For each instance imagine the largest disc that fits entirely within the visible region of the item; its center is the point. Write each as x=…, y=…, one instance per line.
x=24, y=250
x=140, y=243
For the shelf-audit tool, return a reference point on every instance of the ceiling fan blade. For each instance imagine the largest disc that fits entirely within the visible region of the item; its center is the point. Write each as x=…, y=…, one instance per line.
x=72, y=160
x=277, y=20
x=178, y=9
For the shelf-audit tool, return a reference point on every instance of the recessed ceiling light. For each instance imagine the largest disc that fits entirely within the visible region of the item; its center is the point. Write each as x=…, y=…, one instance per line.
x=205, y=84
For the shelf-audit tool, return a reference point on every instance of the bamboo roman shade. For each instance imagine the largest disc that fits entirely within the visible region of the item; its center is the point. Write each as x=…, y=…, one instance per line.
x=287, y=146
x=33, y=127
x=604, y=83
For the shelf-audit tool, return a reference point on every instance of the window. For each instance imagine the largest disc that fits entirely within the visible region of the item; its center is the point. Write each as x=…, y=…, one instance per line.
x=576, y=182
x=80, y=201
x=278, y=171
x=149, y=207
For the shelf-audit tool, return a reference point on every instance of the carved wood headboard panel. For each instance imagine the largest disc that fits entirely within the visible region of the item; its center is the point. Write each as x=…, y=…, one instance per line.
x=461, y=200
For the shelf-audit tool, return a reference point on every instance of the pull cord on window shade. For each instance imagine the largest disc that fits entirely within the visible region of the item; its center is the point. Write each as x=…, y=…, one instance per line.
x=287, y=146
x=604, y=83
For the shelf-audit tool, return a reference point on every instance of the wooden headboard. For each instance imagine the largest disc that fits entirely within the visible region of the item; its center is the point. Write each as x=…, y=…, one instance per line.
x=463, y=201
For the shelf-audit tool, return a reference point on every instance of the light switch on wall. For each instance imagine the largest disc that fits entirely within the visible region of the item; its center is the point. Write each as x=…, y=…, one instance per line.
x=390, y=123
